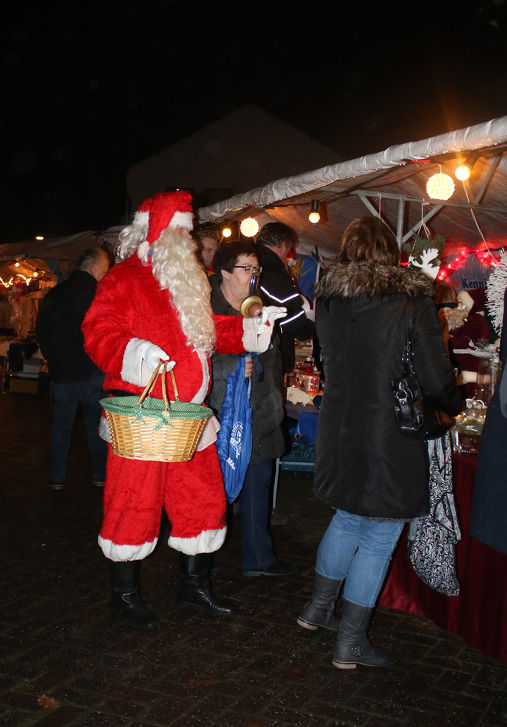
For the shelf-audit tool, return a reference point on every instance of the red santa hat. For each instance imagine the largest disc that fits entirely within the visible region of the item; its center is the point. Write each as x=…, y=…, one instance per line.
x=169, y=209
x=142, y=214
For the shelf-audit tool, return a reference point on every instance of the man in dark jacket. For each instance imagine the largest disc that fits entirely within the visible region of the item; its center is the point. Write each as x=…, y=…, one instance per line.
x=275, y=243
x=75, y=378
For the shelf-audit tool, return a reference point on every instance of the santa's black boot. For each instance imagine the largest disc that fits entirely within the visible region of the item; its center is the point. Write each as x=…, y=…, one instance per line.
x=126, y=602
x=195, y=586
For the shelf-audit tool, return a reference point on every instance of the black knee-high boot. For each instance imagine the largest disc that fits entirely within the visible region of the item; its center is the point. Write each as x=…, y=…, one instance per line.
x=352, y=644
x=195, y=586
x=320, y=610
x=126, y=601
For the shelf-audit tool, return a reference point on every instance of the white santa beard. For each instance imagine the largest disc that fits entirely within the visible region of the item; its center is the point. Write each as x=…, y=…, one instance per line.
x=175, y=266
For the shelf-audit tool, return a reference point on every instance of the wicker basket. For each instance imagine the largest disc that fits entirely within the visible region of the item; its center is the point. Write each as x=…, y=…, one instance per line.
x=154, y=429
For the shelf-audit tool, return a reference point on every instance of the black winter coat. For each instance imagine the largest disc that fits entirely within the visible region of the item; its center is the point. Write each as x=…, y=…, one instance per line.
x=59, y=332
x=277, y=288
x=364, y=465
x=266, y=397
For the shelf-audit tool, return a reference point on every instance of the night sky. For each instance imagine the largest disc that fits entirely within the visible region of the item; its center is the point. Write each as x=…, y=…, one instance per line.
x=90, y=89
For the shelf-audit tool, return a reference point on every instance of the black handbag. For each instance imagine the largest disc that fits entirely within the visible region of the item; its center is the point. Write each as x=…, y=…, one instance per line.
x=416, y=415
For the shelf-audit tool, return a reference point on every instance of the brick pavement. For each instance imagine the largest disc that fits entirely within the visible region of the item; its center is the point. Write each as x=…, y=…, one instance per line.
x=63, y=663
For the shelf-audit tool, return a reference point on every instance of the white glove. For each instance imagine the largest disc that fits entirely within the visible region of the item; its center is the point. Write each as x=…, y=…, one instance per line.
x=258, y=331
x=153, y=355
x=140, y=360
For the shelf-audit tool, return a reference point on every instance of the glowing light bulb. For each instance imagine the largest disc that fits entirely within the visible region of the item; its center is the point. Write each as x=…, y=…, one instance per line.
x=440, y=186
x=314, y=215
x=462, y=172
x=227, y=232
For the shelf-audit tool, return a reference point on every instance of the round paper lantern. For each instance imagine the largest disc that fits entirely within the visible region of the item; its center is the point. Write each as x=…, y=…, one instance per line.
x=249, y=227
x=440, y=186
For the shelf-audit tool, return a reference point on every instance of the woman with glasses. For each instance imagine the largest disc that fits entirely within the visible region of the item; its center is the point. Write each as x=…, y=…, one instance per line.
x=234, y=264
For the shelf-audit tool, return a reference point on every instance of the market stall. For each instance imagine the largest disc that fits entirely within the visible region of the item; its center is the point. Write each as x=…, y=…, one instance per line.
x=468, y=225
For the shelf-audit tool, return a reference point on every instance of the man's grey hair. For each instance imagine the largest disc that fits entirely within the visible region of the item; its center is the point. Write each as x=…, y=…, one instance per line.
x=90, y=257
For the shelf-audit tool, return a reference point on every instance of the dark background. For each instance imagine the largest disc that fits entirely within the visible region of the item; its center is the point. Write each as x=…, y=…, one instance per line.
x=91, y=89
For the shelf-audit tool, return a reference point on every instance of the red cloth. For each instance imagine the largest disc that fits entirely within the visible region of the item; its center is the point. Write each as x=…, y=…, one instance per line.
x=478, y=614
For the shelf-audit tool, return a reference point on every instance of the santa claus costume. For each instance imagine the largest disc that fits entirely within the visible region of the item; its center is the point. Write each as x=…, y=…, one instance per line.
x=155, y=305
x=468, y=337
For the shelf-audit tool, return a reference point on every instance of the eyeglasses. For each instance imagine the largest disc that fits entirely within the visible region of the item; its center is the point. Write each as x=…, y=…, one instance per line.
x=250, y=268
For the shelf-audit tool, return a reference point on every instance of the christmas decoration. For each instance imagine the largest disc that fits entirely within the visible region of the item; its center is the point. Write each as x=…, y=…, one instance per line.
x=495, y=289
x=423, y=252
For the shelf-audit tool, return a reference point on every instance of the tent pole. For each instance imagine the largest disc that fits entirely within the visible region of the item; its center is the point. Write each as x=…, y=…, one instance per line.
x=401, y=215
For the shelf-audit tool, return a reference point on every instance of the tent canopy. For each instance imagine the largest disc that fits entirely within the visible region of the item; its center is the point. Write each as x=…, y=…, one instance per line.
x=53, y=255
x=391, y=184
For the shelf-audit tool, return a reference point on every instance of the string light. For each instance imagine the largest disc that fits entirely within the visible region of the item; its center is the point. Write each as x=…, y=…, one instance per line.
x=226, y=232
x=249, y=227
x=463, y=172
x=314, y=215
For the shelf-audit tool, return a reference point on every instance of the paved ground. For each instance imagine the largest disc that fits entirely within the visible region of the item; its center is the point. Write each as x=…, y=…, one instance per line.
x=62, y=663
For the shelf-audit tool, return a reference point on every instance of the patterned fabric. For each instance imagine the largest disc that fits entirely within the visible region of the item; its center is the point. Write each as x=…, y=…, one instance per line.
x=432, y=539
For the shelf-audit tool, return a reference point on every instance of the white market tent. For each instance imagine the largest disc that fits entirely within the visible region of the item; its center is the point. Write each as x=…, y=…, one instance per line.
x=392, y=184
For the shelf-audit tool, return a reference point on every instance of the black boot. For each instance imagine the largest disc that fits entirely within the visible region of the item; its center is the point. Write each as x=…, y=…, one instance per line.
x=320, y=610
x=352, y=645
x=195, y=588
x=126, y=601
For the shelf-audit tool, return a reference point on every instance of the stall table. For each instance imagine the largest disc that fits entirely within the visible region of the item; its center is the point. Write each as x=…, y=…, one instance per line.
x=479, y=612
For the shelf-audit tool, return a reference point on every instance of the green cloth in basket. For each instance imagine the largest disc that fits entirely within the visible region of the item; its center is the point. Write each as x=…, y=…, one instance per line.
x=129, y=406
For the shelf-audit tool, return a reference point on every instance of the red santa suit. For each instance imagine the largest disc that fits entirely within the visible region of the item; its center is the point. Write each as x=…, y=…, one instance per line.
x=130, y=314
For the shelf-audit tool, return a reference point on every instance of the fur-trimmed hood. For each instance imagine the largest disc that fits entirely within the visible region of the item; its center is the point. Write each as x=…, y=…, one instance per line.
x=350, y=280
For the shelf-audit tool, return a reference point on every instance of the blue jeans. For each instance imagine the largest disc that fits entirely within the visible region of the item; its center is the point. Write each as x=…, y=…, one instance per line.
x=255, y=508
x=357, y=550
x=68, y=396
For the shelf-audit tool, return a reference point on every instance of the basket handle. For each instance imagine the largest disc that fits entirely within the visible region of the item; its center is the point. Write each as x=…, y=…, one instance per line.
x=161, y=368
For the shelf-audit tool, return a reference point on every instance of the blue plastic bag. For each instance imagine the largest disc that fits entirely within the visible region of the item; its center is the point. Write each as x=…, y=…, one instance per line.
x=234, y=443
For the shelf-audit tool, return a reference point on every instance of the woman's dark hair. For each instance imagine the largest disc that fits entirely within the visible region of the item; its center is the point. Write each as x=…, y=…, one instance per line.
x=228, y=253
x=367, y=239
x=444, y=295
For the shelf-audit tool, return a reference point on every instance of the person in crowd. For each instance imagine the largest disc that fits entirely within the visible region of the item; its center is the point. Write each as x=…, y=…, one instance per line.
x=275, y=242
x=234, y=264
x=446, y=301
x=488, y=517
x=155, y=306
x=473, y=333
x=207, y=239
x=76, y=380
x=374, y=477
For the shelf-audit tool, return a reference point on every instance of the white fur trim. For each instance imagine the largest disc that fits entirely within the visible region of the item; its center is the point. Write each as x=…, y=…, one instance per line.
x=121, y=553
x=203, y=389
x=104, y=432
x=250, y=333
x=183, y=219
x=206, y=542
x=141, y=218
x=209, y=434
